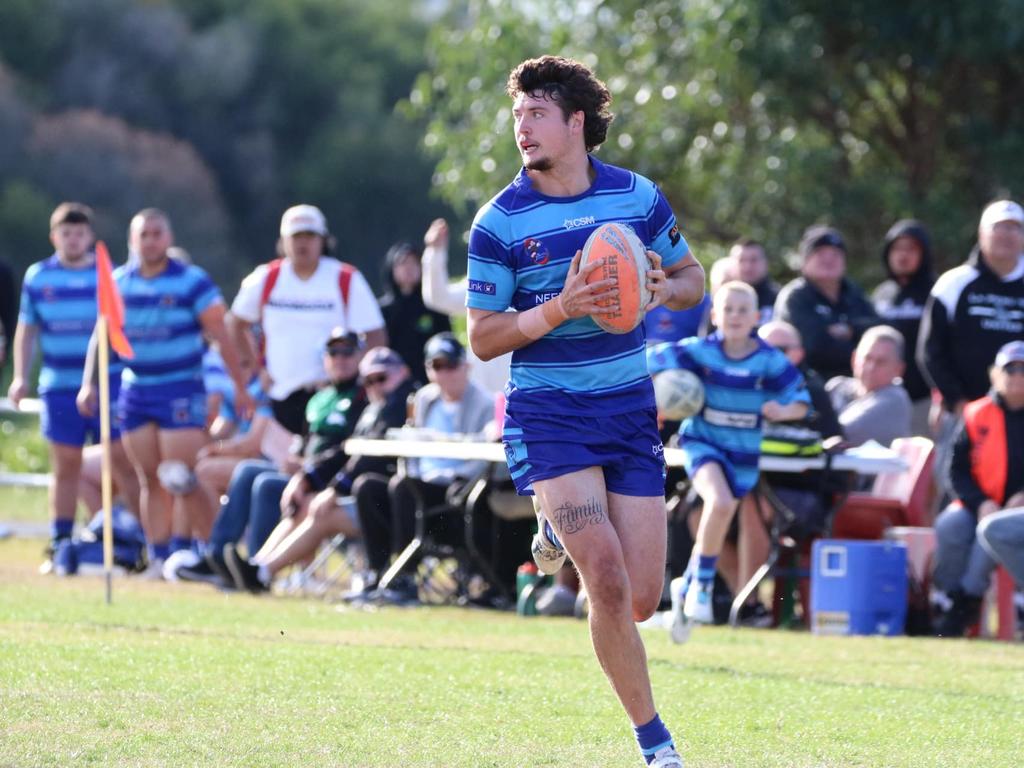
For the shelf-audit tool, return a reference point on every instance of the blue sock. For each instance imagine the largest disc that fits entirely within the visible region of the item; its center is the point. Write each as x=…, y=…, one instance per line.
x=552, y=537
x=652, y=737
x=61, y=529
x=706, y=570
x=179, y=543
x=158, y=551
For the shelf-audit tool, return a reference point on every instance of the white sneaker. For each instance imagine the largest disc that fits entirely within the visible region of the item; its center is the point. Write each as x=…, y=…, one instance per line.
x=667, y=758
x=697, y=606
x=154, y=571
x=548, y=552
x=680, y=628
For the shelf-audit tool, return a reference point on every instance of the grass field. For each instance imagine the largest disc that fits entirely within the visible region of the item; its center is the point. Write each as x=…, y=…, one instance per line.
x=181, y=675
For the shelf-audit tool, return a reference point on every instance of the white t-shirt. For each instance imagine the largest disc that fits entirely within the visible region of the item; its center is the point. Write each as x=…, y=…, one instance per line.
x=299, y=316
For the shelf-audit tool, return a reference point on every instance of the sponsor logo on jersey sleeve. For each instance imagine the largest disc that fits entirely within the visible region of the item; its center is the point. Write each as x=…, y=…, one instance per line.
x=482, y=286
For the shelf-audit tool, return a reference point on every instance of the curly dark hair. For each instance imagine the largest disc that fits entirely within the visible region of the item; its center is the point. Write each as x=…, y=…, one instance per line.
x=573, y=86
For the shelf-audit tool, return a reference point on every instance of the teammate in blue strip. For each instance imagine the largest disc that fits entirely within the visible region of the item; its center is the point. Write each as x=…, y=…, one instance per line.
x=162, y=404
x=58, y=309
x=580, y=425
x=745, y=381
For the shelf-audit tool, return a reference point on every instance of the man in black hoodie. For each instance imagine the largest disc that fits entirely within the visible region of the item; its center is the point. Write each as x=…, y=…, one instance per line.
x=974, y=309
x=408, y=321
x=900, y=302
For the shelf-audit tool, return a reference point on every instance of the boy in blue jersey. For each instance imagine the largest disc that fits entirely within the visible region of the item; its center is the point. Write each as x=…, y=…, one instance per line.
x=580, y=425
x=745, y=381
x=58, y=308
x=162, y=403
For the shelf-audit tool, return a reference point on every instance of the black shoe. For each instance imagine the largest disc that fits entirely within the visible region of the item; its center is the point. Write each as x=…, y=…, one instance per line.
x=401, y=591
x=202, y=572
x=755, y=615
x=245, y=575
x=965, y=612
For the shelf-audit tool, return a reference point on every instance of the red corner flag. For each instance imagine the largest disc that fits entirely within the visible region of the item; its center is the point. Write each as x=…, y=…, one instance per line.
x=109, y=301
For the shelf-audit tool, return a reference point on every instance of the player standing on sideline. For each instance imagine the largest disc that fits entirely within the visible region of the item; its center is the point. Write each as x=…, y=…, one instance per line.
x=162, y=404
x=58, y=307
x=580, y=426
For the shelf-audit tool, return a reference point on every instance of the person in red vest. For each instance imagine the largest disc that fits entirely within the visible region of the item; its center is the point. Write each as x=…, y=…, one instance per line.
x=987, y=476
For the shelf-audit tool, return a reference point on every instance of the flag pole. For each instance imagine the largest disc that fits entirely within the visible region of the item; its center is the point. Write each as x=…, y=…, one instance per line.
x=103, y=350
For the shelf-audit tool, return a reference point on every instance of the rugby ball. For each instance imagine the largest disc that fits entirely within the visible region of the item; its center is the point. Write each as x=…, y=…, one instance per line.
x=624, y=259
x=678, y=393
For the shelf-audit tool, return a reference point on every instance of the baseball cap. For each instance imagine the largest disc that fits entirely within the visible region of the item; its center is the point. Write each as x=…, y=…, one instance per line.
x=303, y=218
x=1001, y=210
x=818, y=236
x=380, y=360
x=444, y=345
x=340, y=334
x=1010, y=352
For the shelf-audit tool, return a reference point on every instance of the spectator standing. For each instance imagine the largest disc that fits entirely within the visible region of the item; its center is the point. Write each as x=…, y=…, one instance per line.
x=828, y=309
x=58, y=309
x=872, y=404
x=408, y=321
x=298, y=299
x=987, y=475
x=900, y=302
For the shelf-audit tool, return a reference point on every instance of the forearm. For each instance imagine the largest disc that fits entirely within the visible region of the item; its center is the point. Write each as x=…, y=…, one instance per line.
x=24, y=343
x=685, y=284
x=91, y=352
x=438, y=294
x=240, y=339
x=792, y=412
x=494, y=333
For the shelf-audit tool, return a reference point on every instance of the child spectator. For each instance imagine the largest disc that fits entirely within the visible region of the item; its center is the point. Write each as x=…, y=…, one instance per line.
x=745, y=381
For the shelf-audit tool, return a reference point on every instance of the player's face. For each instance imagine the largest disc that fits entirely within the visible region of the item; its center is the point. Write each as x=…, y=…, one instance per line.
x=150, y=238
x=877, y=366
x=543, y=135
x=751, y=264
x=905, y=256
x=735, y=314
x=72, y=241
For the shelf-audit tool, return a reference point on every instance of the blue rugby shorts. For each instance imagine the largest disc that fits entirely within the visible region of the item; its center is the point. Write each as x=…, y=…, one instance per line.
x=60, y=421
x=697, y=453
x=626, y=446
x=177, y=405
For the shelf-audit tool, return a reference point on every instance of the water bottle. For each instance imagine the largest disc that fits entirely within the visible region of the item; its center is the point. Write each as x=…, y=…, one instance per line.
x=527, y=581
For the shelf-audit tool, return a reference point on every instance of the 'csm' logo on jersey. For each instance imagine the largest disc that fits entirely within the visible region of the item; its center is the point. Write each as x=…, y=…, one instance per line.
x=581, y=221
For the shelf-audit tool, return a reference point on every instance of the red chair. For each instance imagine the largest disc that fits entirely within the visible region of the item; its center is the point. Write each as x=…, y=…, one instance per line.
x=895, y=498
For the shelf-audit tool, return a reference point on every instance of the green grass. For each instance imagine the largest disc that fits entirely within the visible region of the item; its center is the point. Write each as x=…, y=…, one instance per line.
x=22, y=448
x=181, y=675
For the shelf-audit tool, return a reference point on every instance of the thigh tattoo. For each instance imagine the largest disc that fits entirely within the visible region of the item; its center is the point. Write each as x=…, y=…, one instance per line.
x=572, y=518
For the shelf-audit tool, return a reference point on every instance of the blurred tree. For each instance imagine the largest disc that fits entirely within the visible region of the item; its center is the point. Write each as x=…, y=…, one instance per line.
x=757, y=117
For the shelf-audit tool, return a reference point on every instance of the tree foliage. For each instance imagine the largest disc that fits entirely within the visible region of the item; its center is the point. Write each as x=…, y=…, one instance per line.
x=758, y=117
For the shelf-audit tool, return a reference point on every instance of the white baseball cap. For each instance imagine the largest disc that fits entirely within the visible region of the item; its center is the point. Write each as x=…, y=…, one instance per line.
x=303, y=218
x=1001, y=210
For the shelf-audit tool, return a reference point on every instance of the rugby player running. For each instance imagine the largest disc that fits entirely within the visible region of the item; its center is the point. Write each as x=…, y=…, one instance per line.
x=580, y=427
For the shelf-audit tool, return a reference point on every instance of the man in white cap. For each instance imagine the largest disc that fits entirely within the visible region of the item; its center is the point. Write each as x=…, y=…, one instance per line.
x=975, y=309
x=298, y=299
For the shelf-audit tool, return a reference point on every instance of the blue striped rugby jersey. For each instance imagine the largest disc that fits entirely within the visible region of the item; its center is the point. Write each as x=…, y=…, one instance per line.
x=61, y=303
x=734, y=391
x=162, y=322
x=520, y=248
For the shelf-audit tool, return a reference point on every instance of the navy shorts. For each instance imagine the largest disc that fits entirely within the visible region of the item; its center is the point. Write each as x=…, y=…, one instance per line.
x=60, y=421
x=626, y=446
x=180, y=405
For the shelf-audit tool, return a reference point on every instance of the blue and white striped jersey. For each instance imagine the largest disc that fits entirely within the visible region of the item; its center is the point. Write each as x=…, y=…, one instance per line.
x=520, y=248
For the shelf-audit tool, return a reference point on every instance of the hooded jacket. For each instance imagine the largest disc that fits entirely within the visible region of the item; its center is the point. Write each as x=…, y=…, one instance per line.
x=901, y=305
x=406, y=317
x=971, y=312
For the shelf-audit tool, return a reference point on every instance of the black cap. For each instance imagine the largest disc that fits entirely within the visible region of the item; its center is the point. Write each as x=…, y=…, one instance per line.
x=818, y=236
x=340, y=334
x=444, y=345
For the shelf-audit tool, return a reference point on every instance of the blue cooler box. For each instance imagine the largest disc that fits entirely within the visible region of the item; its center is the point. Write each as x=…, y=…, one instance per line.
x=858, y=587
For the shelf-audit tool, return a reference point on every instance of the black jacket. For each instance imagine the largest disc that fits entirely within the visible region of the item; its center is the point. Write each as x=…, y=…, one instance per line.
x=962, y=479
x=901, y=305
x=807, y=308
x=970, y=314
x=8, y=310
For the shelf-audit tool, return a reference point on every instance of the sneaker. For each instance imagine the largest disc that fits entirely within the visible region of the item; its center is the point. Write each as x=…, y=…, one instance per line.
x=245, y=575
x=548, y=552
x=681, y=626
x=964, y=612
x=201, y=572
x=667, y=758
x=755, y=615
x=154, y=571
x=698, y=605
x=401, y=591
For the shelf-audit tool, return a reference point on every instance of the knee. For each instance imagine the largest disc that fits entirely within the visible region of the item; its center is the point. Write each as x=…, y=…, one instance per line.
x=646, y=599
x=606, y=584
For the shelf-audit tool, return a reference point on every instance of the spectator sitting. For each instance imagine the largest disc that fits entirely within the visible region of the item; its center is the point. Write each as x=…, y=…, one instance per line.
x=827, y=308
x=900, y=302
x=408, y=321
x=987, y=475
x=450, y=298
x=873, y=405
x=388, y=386
x=449, y=404
x=801, y=492
x=258, y=491
x=750, y=264
x=745, y=381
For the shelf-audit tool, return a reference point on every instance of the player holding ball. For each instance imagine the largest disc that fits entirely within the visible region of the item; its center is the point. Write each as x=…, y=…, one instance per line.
x=580, y=427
